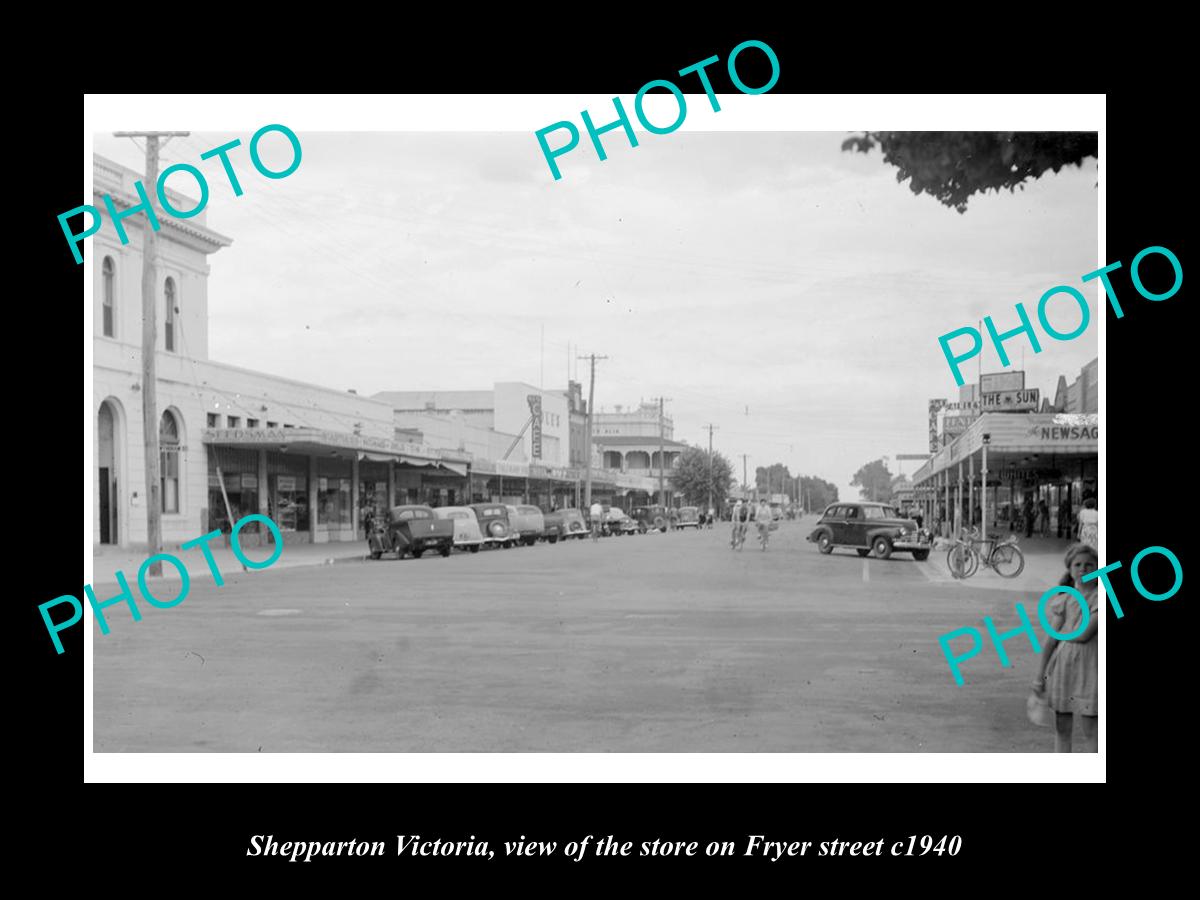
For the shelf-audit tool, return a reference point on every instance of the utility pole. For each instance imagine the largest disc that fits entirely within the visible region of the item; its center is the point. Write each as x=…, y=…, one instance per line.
x=711, y=428
x=745, y=483
x=149, y=349
x=587, y=441
x=662, y=491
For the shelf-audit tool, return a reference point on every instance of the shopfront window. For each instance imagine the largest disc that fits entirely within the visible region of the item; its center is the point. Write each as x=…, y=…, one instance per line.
x=168, y=442
x=289, y=501
x=333, y=500
x=287, y=491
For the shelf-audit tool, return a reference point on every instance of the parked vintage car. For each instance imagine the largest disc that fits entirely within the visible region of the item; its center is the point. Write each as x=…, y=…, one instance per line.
x=561, y=524
x=493, y=522
x=870, y=527
x=648, y=517
x=617, y=521
x=689, y=517
x=526, y=523
x=413, y=529
x=467, y=535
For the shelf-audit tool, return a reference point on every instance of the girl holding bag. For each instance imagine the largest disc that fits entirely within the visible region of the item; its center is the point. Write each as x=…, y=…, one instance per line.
x=1069, y=670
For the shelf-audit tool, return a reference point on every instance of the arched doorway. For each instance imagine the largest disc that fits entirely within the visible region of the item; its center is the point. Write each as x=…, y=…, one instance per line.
x=106, y=452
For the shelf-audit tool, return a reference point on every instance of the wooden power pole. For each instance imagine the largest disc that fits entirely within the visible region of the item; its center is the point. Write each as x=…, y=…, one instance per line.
x=149, y=348
x=587, y=483
x=662, y=491
x=710, y=428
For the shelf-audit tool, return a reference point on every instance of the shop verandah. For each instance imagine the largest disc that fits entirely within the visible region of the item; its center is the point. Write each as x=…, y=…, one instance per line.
x=317, y=485
x=1012, y=472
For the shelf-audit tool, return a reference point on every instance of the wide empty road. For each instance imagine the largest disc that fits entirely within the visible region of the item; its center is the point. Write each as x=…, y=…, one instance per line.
x=667, y=642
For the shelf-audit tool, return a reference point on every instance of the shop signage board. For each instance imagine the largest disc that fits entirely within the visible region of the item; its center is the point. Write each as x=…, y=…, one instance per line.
x=535, y=410
x=249, y=481
x=1011, y=401
x=999, y=382
x=934, y=407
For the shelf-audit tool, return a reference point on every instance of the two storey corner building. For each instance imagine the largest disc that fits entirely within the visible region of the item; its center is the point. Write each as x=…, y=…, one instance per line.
x=231, y=441
x=184, y=246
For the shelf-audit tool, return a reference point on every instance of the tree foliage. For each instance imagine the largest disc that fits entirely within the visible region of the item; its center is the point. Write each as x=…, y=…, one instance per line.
x=951, y=166
x=691, y=477
x=817, y=493
x=874, y=481
x=811, y=492
x=773, y=479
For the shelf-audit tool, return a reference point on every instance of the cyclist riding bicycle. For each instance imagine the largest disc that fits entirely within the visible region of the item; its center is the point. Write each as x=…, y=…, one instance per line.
x=762, y=518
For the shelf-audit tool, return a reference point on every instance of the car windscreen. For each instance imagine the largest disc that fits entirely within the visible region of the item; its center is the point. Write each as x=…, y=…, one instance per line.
x=493, y=511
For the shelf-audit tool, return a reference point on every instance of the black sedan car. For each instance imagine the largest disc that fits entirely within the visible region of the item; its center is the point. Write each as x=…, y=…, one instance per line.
x=868, y=527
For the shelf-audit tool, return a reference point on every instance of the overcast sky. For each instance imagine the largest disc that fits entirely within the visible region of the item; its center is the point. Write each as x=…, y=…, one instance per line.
x=769, y=283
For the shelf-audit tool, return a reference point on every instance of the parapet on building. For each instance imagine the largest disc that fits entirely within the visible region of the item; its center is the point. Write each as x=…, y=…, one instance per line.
x=231, y=441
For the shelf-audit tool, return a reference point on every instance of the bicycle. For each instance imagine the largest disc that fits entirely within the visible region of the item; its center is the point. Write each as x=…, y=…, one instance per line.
x=738, y=541
x=764, y=535
x=1004, y=557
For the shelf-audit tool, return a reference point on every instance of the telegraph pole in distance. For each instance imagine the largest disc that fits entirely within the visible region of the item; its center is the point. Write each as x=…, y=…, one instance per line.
x=710, y=428
x=662, y=491
x=149, y=349
x=587, y=484
x=745, y=483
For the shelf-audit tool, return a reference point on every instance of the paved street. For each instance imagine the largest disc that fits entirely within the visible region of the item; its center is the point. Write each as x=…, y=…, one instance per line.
x=644, y=643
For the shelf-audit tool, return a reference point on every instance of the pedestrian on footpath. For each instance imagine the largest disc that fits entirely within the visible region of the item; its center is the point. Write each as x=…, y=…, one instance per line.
x=712, y=514
x=1089, y=524
x=1044, y=517
x=1069, y=670
x=1065, y=527
x=1027, y=515
x=596, y=513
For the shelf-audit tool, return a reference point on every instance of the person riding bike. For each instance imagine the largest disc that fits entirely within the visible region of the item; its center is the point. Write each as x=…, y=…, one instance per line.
x=762, y=518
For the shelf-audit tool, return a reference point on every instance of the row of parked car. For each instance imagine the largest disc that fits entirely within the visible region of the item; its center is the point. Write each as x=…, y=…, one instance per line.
x=415, y=530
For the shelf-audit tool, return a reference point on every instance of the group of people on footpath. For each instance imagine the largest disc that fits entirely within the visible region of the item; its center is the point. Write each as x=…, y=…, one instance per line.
x=1035, y=519
x=743, y=515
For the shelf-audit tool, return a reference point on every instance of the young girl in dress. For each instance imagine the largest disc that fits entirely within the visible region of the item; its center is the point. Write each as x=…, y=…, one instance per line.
x=1069, y=670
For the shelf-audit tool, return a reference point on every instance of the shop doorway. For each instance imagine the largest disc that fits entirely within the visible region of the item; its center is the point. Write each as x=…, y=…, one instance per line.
x=107, y=480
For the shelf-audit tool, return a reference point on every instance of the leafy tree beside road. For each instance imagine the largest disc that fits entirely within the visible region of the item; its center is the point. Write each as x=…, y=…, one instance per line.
x=951, y=166
x=691, y=477
x=874, y=481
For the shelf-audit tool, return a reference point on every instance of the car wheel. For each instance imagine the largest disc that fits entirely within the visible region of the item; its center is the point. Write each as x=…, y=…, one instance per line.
x=417, y=554
x=882, y=547
x=445, y=551
x=553, y=539
x=920, y=555
x=474, y=548
x=863, y=551
x=825, y=543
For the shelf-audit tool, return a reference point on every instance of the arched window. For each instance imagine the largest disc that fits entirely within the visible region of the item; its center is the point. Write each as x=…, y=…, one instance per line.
x=168, y=444
x=109, y=272
x=169, y=321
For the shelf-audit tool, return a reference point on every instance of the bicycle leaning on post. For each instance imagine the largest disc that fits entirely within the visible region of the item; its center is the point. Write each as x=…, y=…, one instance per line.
x=1004, y=557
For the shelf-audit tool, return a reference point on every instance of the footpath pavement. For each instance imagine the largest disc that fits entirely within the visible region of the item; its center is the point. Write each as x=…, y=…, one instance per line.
x=1043, y=567
x=107, y=561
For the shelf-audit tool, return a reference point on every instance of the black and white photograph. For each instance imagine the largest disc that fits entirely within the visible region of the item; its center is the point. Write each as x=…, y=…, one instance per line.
x=762, y=436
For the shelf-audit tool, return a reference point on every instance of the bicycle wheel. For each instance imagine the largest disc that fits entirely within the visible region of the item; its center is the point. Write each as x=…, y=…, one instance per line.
x=973, y=562
x=956, y=560
x=1008, y=561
